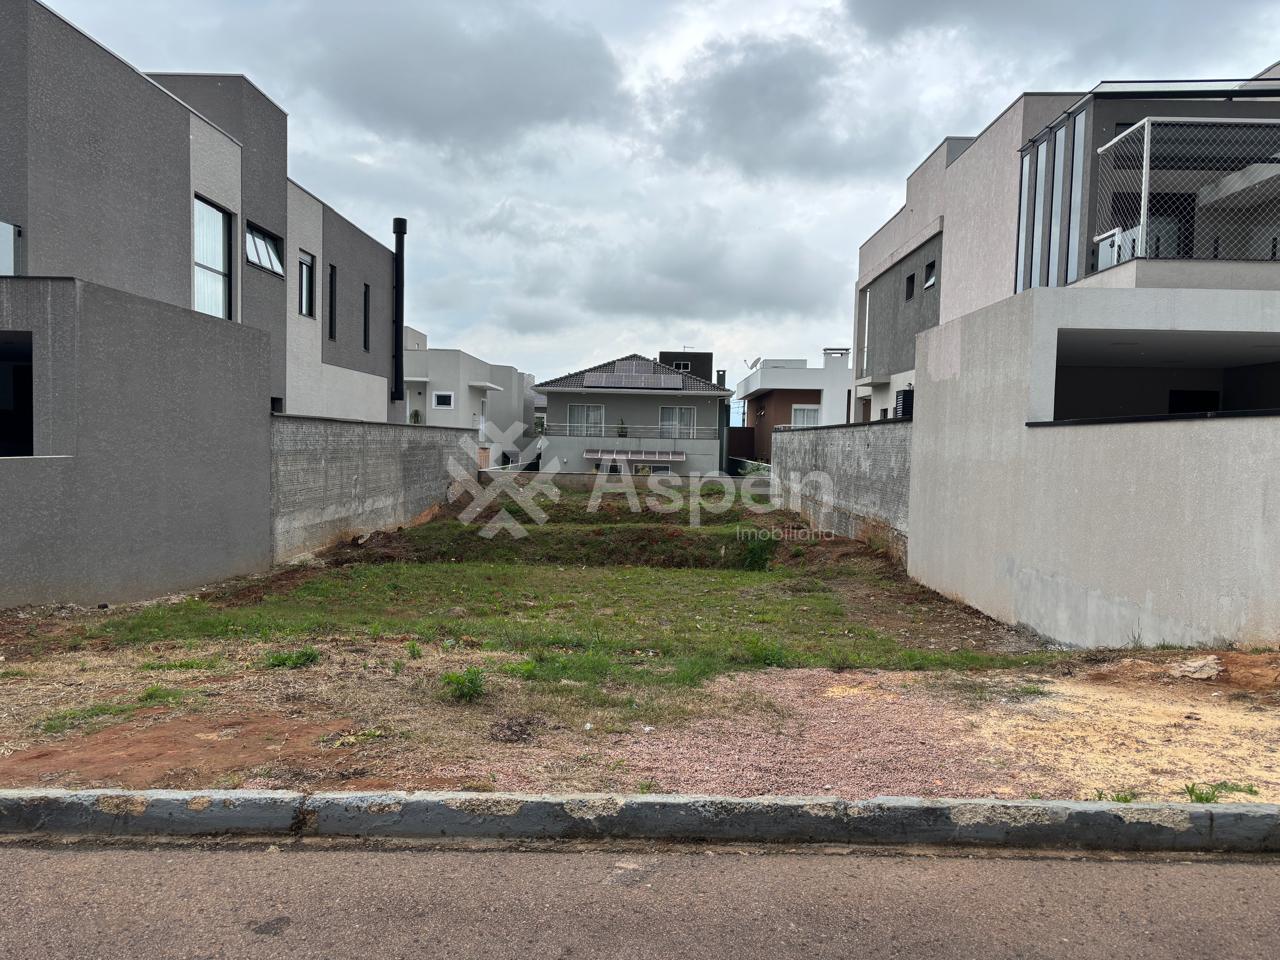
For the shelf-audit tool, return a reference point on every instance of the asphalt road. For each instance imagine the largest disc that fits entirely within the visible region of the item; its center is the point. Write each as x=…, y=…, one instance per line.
x=705, y=903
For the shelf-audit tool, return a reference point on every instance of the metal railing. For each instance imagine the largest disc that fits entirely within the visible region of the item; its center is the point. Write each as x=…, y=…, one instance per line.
x=624, y=430
x=1174, y=188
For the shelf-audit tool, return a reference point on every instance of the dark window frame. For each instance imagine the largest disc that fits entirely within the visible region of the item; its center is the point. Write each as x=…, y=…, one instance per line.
x=333, y=303
x=274, y=244
x=229, y=256
x=930, y=274
x=910, y=288
x=366, y=318
x=306, y=284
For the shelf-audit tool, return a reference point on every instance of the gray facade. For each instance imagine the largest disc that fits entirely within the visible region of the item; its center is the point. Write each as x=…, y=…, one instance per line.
x=135, y=431
x=634, y=415
x=889, y=345
x=152, y=467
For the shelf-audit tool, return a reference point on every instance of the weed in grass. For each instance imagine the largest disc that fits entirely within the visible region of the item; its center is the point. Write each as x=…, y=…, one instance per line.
x=397, y=667
x=1117, y=796
x=194, y=663
x=292, y=659
x=1228, y=786
x=414, y=650
x=647, y=786
x=13, y=674
x=467, y=685
x=1027, y=691
x=1202, y=792
x=64, y=720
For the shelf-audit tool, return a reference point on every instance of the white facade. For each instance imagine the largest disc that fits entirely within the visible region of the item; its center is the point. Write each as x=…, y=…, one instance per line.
x=832, y=379
x=452, y=388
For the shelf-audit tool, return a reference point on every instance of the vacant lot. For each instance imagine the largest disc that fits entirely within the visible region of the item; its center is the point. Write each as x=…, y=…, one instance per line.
x=610, y=650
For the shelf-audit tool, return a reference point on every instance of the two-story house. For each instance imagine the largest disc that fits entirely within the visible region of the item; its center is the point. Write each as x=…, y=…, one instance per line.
x=634, y=415
x=790, y=393
x=1083, y=304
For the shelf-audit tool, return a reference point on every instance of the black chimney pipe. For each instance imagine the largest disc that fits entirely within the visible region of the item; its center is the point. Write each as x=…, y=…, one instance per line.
x=400, y=226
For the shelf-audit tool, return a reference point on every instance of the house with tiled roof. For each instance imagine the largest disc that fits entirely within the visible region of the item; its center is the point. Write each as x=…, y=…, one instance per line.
x=635, y=415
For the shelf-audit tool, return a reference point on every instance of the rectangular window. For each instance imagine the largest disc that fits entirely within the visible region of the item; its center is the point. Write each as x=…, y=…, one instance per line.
x=684, y=366
x=676, y=422
x=306, y=284
x=211, y=283
x=930, y=274
x=10, y=237
x=17, y=408
x=1055, y=203
x=1074, y=225
x=586, y=420
x=1020, y=281
x=333, y=302
x=366, y=318
x=805, y=415
x=263, y=249
x=866, y=333
x=911, y=286
x=442, y=401
x=1037, y=223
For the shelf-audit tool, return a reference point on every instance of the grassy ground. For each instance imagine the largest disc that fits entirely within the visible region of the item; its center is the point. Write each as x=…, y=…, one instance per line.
x=412, y=659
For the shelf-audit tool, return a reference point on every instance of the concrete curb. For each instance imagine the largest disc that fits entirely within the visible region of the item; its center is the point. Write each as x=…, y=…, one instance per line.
x=1239, y=828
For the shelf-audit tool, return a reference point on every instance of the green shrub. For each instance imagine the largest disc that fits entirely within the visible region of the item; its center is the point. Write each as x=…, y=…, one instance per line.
x=414, y=650
x=467, y=686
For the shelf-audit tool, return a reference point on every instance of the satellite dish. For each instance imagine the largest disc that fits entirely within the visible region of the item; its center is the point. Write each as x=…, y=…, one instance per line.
x=754, y=363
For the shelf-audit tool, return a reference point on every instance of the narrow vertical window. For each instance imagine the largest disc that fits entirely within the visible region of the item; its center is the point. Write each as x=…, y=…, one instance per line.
x=1020, y=283
x=211, y=282
x=17, y=407
x=10, y=237
x=1037, y=224
x=333, y=302
x=866, y=332
x=366, y=318
x=306, y=284
x=1074, y=226
x=1055, y=203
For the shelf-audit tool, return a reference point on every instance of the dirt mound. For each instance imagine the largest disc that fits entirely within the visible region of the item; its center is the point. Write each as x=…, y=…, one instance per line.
x=1219, y=672
x=381, y=546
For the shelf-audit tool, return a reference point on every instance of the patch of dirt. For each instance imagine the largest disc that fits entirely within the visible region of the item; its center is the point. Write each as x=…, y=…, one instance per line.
x=856, y=735
x=516, y=729
x=1222, y=672
x=918, y=617
x=183, y=752
x=381, y=546
x=246, y=593
x=1135, y=728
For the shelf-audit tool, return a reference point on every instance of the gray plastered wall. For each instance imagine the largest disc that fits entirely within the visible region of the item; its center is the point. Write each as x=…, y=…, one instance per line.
x=153, y=466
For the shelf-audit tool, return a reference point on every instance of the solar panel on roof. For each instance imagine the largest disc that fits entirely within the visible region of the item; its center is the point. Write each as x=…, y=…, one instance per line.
x=638, y=367
x=633, y=381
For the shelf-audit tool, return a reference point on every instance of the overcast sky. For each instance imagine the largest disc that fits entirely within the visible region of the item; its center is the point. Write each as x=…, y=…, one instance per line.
x=587, y=178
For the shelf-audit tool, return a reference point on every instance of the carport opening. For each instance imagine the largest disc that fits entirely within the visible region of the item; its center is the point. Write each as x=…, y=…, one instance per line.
x=17, y=410
x=1153, y=373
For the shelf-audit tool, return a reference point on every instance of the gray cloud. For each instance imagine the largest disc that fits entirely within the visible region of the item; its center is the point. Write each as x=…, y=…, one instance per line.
x=703, y=265
x=470, y=75
x=1175, y=39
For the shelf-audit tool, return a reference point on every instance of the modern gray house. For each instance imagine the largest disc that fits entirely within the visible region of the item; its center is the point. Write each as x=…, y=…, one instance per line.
x=1081, y=306
x=165, y=288
x=635, y=415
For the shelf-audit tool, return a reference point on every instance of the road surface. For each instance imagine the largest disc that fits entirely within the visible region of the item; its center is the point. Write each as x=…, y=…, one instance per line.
x=673, y=902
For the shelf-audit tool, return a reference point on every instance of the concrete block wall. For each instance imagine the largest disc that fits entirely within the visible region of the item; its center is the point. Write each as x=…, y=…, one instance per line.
x=332, y=479
x=847, y=477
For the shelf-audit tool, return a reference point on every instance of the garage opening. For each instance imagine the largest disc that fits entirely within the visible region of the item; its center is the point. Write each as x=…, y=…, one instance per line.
x=1155, y=373
x=17, y=414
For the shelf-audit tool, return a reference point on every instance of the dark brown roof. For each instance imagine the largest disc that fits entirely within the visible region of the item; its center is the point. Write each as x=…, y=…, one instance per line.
x=576, y=380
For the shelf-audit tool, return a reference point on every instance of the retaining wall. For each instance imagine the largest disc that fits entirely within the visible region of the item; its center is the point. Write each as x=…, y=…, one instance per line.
x=848, y=478
x=331, y=479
